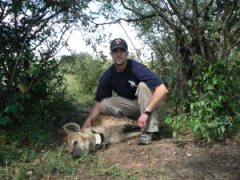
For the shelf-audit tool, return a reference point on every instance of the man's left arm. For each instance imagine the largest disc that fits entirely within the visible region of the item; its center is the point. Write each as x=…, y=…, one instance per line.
x=159, y=94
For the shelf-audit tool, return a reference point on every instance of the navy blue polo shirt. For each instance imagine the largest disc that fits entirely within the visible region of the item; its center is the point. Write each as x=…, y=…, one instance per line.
x=125, y=83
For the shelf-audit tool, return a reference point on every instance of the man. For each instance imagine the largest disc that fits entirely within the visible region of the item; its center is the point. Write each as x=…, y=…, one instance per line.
x=138, y=90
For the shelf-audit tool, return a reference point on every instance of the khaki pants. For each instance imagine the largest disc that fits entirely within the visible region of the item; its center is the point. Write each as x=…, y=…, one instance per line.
x=119, y=106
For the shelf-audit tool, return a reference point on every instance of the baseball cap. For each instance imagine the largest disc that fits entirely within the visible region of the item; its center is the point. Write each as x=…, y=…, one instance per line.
x=118, y=43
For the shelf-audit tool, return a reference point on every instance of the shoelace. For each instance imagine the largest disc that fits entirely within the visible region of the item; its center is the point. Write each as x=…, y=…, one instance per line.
x=145, y=135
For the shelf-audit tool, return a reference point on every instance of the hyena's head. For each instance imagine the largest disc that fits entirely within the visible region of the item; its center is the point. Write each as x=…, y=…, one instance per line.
x=78, y=141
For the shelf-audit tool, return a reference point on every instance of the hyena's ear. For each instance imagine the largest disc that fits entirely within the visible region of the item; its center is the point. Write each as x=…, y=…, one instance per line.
x=71, y=127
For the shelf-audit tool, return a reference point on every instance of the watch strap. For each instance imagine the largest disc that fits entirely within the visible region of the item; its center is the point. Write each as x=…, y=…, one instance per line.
x=146, y=111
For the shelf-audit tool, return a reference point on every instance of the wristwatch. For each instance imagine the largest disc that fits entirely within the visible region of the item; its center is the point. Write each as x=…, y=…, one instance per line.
x=146, y=111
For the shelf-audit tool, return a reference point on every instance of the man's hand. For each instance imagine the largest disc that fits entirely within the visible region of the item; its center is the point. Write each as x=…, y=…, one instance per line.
x=86, y=124
x=142, y=120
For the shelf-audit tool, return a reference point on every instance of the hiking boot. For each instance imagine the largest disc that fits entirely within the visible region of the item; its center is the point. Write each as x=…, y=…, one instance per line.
x=145, y=138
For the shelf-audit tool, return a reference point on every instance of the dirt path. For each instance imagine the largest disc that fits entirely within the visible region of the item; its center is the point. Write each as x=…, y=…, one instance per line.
x=169, y=159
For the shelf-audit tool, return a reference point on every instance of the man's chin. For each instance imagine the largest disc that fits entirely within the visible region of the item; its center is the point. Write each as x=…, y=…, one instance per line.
x=119, y=63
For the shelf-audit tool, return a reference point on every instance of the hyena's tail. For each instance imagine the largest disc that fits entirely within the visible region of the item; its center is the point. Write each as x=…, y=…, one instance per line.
x=131, y=131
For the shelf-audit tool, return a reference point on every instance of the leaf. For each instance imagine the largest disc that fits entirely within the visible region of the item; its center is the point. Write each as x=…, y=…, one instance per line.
x=222, y=129
x=174, y=134
x=4, y=120
x=190, y=82
x=191, y=106
x=196, y=127
x=220, y=97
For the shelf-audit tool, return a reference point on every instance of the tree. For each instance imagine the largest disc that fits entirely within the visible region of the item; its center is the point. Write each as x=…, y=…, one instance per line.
x=31, y=34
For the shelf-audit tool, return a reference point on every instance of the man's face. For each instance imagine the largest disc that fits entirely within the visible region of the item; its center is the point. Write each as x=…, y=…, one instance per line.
x=119, y=56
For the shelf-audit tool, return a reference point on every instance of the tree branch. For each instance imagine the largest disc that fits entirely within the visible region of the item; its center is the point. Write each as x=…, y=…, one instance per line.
x=206, y=8
x=127, y=20
x=236, y=43
x=197, y=28
x=18, y=57
x=180, y=16
x=130, y=9
x=159, y=11
x=224, y=38
x=3, y=8
x=230, y=15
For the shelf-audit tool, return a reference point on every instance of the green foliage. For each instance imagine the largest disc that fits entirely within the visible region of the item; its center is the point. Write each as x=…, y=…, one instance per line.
x=178, y=123
x=86, y=70
x=214, y=107
x=34, y=113
x=46, y=82
x=73, y=88
x=28, y=71
x=36, y=127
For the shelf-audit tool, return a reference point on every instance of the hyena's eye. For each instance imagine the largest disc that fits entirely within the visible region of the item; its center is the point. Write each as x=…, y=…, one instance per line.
x=75, y=143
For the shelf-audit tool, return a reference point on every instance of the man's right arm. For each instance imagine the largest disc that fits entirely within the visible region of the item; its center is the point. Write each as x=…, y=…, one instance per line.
x=104, y=90
x=93, y=114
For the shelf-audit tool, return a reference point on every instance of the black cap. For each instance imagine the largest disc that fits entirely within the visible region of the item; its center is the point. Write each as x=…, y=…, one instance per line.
x=118, y=43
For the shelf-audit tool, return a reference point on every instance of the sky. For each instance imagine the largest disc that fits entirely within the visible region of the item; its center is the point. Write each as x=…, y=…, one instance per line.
x=77, y=44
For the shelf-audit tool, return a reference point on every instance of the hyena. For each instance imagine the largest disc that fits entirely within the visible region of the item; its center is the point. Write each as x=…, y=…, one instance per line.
x=105, y=130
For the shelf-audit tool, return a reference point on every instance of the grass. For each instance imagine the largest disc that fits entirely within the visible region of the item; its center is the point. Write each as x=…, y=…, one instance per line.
x=31, y=152
x=56, y=163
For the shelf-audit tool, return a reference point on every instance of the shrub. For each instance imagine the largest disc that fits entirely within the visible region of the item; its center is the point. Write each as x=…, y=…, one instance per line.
x=214, y=107
x=86, y=70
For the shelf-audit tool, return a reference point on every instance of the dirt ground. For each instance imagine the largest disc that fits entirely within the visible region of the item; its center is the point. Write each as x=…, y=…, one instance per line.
x=170, y=159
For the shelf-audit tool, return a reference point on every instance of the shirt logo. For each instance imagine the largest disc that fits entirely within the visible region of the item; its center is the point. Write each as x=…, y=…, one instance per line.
x=132, y=83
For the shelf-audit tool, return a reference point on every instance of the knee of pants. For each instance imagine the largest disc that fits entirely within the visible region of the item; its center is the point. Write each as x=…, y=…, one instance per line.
x=104, y=106
x=107, y=108
x=143, y=89
x=142, y=85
